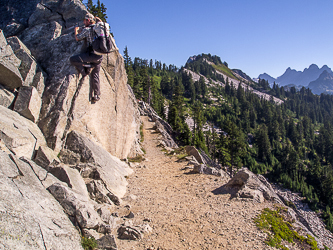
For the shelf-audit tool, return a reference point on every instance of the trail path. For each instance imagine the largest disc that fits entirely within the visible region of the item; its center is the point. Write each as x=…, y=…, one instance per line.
x=182, y=210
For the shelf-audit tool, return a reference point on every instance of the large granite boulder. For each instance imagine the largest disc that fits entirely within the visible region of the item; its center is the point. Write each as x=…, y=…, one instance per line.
x=31, y=73
x=28, y=103
x=246, y=184
x=10, y=76
x=72, y=177
x=6, y=97
x=76, y=206
x=6, y=52
x=110, y=169
x=28, y=64
x=46, y=157
x=190, y=150
x=20, y=135
x=30, y=217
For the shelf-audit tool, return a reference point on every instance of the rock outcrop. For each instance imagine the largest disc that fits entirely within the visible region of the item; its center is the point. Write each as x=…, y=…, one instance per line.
x=247, y=185
x=28, y=103
x=308, y=219
x=59, y=171
x=21, y=136
x=110, y=169
x=30, y=217
x=48, y=38
x=162, y=126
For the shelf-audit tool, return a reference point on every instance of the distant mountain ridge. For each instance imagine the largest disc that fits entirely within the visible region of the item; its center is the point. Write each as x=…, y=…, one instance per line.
x=292, y=76
x=301, y=78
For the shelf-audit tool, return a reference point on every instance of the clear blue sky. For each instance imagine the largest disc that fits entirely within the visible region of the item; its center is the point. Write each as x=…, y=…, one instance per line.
x=255, y=36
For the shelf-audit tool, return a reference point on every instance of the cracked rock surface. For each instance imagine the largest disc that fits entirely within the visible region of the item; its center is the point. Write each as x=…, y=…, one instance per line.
x=30, y=217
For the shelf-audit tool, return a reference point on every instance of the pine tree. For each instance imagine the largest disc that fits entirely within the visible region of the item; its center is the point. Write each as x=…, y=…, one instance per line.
x=98, y=10
x=176, y=116
x=263, y=144
x=129, y=68
x=198, y=136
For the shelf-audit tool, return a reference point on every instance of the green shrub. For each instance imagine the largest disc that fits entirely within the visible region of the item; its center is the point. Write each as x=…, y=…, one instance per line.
x=274, y=224
x=138, y=158
x=88, y=243
x=141, y=133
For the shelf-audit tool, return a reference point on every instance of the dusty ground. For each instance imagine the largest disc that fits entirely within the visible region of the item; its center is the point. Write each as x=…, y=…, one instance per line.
x=183, y=209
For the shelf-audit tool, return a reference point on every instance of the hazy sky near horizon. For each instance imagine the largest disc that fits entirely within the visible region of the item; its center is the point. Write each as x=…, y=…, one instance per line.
x=258, y=36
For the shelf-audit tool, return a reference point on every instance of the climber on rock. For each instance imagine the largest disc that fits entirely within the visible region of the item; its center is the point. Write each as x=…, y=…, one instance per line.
x=88, y=62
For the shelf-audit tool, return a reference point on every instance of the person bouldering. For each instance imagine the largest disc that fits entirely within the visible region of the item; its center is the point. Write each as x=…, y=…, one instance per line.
x=88, y=63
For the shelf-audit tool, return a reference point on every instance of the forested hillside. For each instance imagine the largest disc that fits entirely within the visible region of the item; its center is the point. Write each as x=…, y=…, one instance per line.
x=290, y=141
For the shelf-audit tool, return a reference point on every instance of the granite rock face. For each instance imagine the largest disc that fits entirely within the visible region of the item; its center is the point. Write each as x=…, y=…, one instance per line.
x=49, y=36
x=31, y=73
x=28, y=103
x=9, y=75
x=6, y=97
x=30, y=217
x=68, y=176
x=21, y=136
x=110, y=169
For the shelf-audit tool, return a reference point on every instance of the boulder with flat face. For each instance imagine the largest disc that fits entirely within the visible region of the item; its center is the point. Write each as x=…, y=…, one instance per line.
x=28, y=103
x=46, y=157
x=246, y=184
x=20, y=135
x=6, y=97
x=6, y=51
x=31, y=73
x=9, y=75
x=28, y=64
x=111, y=170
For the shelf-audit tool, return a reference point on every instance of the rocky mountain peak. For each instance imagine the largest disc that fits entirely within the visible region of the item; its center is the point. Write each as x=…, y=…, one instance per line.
x=313, y=67
x=325, y=76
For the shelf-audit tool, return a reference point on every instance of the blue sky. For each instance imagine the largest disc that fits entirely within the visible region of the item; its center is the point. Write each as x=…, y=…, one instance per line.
x=255, y=36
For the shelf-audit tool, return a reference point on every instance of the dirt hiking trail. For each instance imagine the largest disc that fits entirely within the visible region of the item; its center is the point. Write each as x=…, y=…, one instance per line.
x=181, y=208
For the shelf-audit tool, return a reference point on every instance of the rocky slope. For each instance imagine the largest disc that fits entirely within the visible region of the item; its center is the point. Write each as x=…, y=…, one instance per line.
x=234, y=83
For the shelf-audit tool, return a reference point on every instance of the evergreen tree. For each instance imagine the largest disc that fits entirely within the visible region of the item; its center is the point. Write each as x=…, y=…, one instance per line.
x=198, y=139
x=98, y=10
x=263, y=144
x=129, y=68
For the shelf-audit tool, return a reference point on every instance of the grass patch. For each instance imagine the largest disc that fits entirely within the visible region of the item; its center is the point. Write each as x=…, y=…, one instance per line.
x=88, y=243
x=225, y=70
x=138, y=158
x=275, y=225
x=142, y=138
x=181, y=156
x=178, y=152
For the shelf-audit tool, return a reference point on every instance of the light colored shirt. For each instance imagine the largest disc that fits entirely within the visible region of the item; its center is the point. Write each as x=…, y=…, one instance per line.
x=86, y=33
